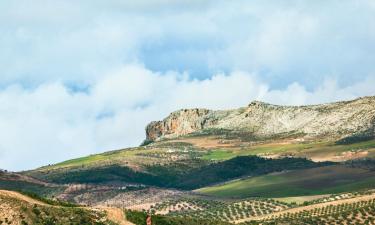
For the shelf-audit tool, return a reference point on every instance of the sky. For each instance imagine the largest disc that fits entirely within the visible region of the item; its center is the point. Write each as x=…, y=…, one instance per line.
x=79, y=77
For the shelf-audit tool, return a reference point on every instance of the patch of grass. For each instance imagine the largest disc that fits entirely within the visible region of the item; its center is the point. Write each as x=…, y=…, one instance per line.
x=300, y=199
x=225, y=154
x=91, y=159
x=107, y=158
x=221, y=154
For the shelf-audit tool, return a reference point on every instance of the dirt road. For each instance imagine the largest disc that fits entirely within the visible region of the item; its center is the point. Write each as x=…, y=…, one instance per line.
x=116, y=215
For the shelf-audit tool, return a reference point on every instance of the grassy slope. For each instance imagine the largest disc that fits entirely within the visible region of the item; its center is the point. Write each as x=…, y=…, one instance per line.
x=118, y=156
x=97, y=158
x=173, y=176
x=184, y=165
x=300, y=149
x=136, y=156
x=324, y=180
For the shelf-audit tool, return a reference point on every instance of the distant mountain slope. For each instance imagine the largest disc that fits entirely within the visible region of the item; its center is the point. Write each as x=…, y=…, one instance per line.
x=258, y=119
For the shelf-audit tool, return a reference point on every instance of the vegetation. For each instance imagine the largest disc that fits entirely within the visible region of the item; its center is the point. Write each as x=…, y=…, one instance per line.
x=139, y=218
x=362, y=212
x=178, y=151
x=177, y=176
x=307, y=150
x=243, y=136
x=322, y=180
x=239, y=167
x=24, y=186
x=17, y=211
x=55, y=202
x=360, y=137
x=219, y=210
x=368, y=164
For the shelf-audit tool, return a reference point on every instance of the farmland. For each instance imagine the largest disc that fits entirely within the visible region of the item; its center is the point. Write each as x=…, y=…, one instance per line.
x=316, y=181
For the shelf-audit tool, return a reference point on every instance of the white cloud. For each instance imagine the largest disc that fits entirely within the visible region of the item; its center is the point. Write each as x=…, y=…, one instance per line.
x=214, y=54
x=78, y=41
x=50, y=123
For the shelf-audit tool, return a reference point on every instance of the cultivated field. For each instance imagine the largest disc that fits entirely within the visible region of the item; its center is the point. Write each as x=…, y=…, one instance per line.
x=315, y=181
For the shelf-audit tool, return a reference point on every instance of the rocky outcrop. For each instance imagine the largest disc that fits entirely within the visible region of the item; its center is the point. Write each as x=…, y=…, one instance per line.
x=338, y=119
x=180, y=123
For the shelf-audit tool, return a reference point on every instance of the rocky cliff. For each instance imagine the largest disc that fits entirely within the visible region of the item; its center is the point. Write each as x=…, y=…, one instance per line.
x=338, y=119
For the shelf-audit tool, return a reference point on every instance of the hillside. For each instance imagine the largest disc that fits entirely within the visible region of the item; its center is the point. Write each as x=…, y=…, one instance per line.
x=262, y=120
x=208, y=156
x=315, y=181
x=20, y=182
x=16, y=208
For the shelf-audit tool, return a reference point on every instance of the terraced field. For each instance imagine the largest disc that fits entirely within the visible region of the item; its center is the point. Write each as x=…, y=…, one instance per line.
x=347, y=208
x=219, y=210
x=358, y=210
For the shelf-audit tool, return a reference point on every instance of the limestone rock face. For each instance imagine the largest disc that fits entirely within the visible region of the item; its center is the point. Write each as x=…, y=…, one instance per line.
x=180, y=123
x=337, y=119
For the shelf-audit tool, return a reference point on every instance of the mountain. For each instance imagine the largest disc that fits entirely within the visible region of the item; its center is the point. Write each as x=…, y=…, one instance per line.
x=260, y=164
x=263, y=120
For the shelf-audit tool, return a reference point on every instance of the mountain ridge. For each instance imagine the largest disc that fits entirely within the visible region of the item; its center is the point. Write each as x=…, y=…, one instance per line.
x=260, y=119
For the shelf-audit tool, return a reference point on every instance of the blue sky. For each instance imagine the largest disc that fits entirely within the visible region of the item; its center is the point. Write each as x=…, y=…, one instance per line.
x=81, y=77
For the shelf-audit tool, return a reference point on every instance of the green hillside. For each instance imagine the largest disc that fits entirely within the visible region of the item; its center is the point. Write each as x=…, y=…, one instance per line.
x=176, y=175
x=315, y=181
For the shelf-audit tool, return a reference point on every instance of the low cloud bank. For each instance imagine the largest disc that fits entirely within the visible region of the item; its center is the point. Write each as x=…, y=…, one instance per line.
x=53, y=122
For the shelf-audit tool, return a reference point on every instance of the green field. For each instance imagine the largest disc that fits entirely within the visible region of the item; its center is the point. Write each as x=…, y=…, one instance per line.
x=316, y=181
x=301, y=199
x=298, y=149
x=116, y=157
